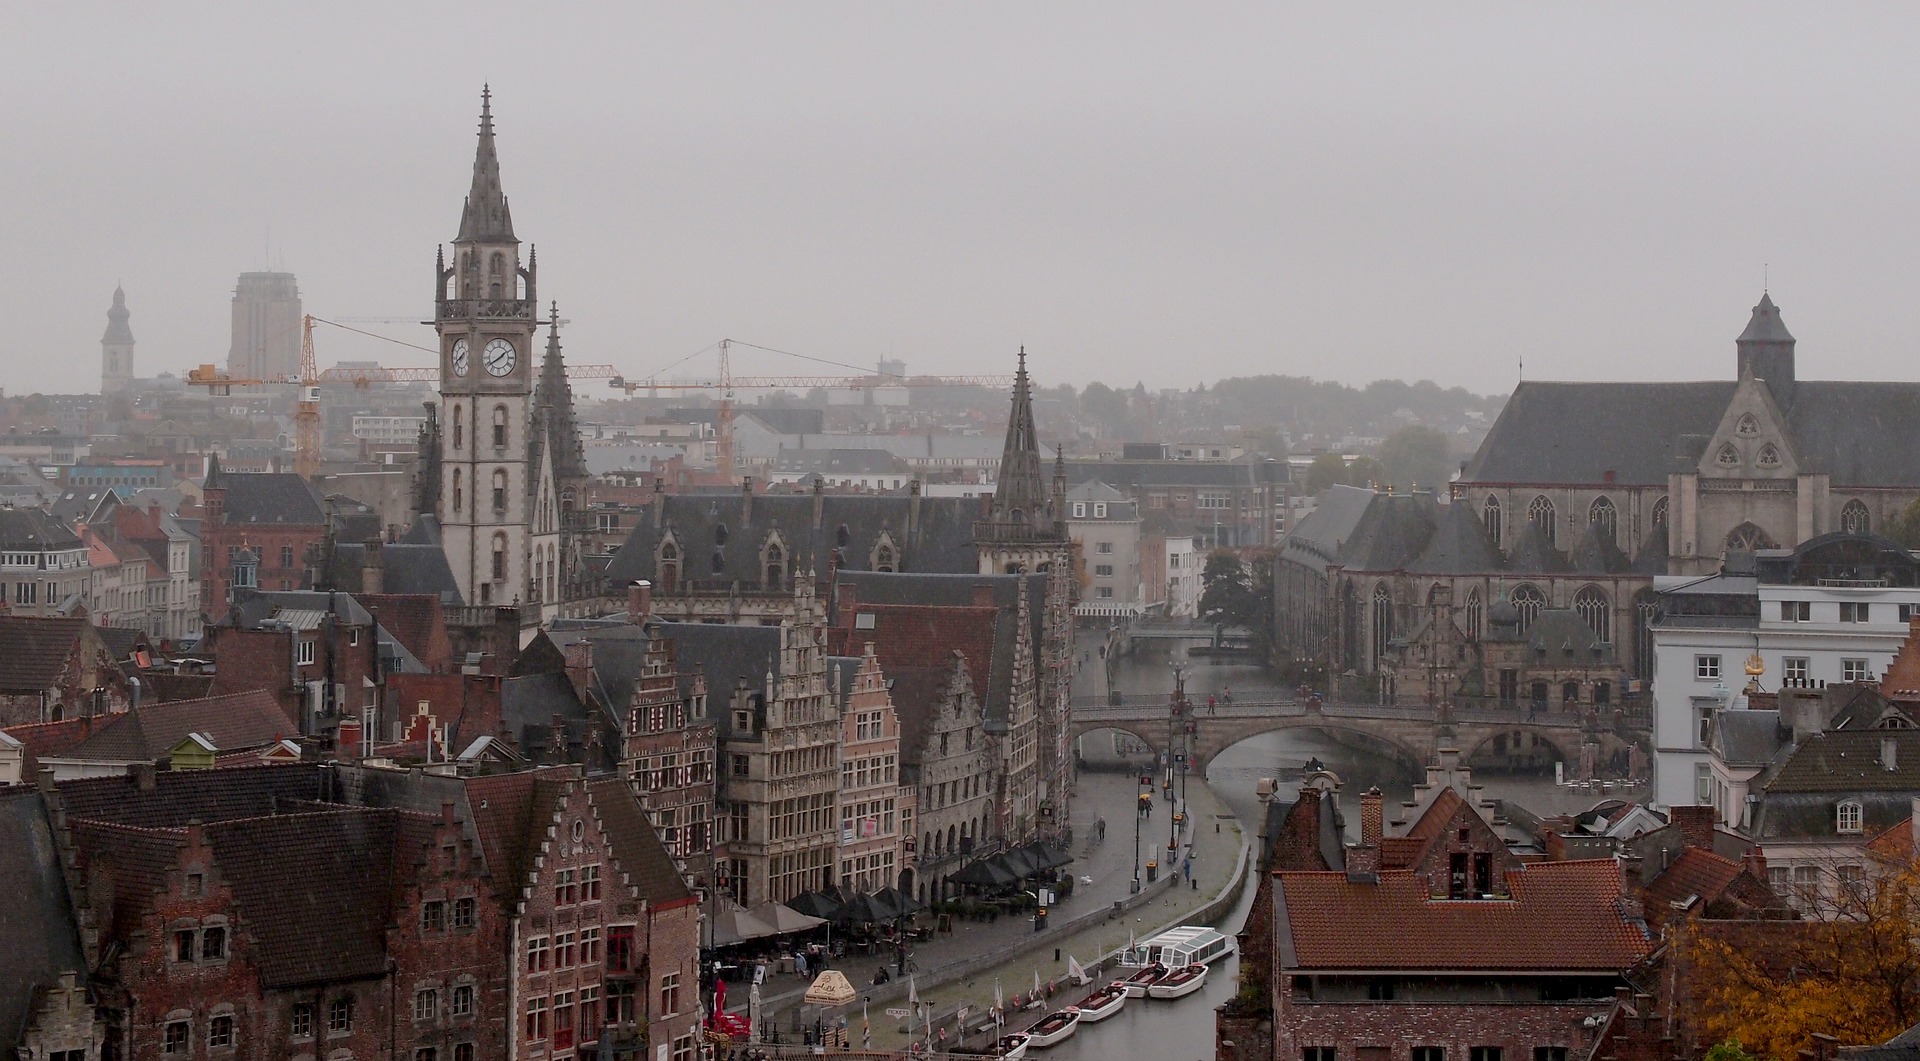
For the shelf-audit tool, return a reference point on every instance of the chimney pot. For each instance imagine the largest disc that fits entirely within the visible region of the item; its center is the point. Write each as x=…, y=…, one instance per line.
x=1373, y=807
x=639, y=601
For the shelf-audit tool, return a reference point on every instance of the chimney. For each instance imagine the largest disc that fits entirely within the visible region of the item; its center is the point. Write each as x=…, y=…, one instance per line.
x=983, y=596
x=1756, y=860
x=1373, y=809
x=746, y=501
x=1695, y=825
x=1889, y=753
x=142, y=774
x=819, y=499
x=348, y=738
x=913, y=508
x=580, y=668
x=372, y=567
x=659, y=500
x=639, y=601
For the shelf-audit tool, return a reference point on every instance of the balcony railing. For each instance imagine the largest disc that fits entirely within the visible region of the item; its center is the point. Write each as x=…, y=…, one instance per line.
x=486, y=309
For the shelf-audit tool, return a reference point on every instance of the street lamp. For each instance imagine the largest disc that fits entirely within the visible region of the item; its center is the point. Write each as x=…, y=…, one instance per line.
x=1176, y=727
x=1143, y=797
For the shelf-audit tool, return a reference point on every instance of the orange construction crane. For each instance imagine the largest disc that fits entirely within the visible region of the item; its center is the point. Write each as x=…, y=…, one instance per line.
x=306, y=414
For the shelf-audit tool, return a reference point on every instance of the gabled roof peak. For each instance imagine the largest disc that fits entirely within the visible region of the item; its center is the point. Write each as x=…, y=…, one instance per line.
x=1765, y=326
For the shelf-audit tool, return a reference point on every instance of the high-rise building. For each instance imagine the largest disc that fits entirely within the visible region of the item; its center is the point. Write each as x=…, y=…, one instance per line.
x=266, y=327
x=116, y=347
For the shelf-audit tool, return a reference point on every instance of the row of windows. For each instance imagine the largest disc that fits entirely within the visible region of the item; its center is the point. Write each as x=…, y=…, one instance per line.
x=868, y=771
x=563, y=950
x=1439, y=1053
x=426, y=1003
x=1540, y=512
x=1800, y=611
x=499, y=427
x=436, y=915
x=1794, y=669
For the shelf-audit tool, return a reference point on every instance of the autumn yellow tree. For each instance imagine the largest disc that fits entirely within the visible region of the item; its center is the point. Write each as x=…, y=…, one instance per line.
x=1851, y=971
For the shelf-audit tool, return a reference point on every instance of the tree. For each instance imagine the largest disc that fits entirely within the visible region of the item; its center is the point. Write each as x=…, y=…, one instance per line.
x=1854, y=973
x=1365, y=471
x=1416, y=456
x=1225, y=589
x=1904, y=527
x=1328, y=469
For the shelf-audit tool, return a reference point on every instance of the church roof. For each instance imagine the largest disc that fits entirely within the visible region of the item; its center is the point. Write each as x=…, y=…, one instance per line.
x=117, y=330
x=485, y=217
x=1596, y=553
x=1394, y=530
x=1459, y=545
x=1532, y=554
x=1560, y=433
x=1765, y=326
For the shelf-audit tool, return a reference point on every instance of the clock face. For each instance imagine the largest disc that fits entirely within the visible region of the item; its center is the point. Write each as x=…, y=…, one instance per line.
x=462, y=358
x=498, y=357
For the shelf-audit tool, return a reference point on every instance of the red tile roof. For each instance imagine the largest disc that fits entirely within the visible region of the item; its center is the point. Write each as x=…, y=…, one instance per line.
x=917, y=635
x=1697, y=872
x=1562, y=917
x=42, y=739
x=251, y=719
x=34, y=652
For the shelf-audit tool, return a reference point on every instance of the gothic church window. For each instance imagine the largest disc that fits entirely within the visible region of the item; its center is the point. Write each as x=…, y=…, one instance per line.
x=669, y=567
x=459, y=499
x=499, y=427
x=1748, y=537
x=1527, y=601
x=1382, y=620
x=776, y=565
x=1769, y=456
x=499, y=489
x=1660, y=512
x=1728, y=456
x=1475, y=612
x=1747, y=426
x=1591, y=602
x=1603, y=515
x=1540, y=514
x=499, y=557
x=459, y=426
x=1490, y=515
x=1854, y=518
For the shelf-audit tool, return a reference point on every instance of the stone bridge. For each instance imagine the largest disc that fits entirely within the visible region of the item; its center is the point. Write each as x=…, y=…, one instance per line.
x=1409, y=734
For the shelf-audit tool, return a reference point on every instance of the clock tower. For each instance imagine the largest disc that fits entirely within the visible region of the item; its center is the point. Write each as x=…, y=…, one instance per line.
x=484, y=311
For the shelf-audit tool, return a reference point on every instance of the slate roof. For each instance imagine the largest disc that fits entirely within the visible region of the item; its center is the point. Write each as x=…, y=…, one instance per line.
x=529, y=706
x=32, y=529
x=849, y=529
x=1533, y=555
x=315, y=891
x=509, y=811
x=405, y=568
x=1458, y=546
x=38, y=938
x=725, y=654
x=840, y=461
x=917, y=692
x=1394, y=530
x=269, y=497
x=233, y=722
x=1318, y=537
x=1747, y=737
x=1562, y=917
x=619, y=656
x=138, y=857
x=1563, y=433
x=636, y=846
x=34, y=652
x=209, y=795
x=1843, y=762
x=1596, y=553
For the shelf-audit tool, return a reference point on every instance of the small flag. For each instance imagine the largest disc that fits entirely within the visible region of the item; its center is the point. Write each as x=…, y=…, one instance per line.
x=1074, y=970
x=913, y=992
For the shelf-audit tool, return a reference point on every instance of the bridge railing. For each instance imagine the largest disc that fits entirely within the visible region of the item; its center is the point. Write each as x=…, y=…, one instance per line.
x=1153, y=709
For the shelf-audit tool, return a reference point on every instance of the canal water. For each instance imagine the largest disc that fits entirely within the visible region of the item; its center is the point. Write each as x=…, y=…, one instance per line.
x=1182, y=1030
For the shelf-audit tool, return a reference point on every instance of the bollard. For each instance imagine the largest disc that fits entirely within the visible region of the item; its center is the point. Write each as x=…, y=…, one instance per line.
x=1056, y=954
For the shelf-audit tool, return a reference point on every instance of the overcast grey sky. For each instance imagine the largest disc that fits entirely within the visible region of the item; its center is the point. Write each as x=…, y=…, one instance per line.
x=1170, y=193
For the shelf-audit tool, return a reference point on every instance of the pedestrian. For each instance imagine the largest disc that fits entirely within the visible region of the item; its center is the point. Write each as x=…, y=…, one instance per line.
x=1226, y=693
x=800, y=963
x=1213, y=705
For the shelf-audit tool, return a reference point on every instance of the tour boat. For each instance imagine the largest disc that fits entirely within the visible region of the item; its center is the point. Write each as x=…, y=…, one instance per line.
x=1139, y=982
x=1104, y=1002
x=1012, y=1046
x=1055, y=1027
x=1185, y=945
x=1183, y=981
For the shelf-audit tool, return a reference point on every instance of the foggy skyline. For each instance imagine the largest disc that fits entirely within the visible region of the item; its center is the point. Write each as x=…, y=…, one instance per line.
x=1166, y=194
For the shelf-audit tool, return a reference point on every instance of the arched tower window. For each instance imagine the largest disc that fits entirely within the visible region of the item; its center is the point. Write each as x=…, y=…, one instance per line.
x=499, y=427
x=1592, y=604
x=1748, y=537
x=496, y=276
x=499, y=490
x=459, y=426
x=499, y=557
x=1854, y=518
x=1540, y=514
x=1604, y=516
x=776, y=565
x=1382, y=620
x=1660, y=512
x=669, y=566
x=1528, y=600
x=1476, y=612
x=459, y=495
x=1490, y=515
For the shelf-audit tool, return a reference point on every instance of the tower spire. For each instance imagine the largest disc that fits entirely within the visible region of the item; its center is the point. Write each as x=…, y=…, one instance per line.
x=485, y=217
x=1020, y=488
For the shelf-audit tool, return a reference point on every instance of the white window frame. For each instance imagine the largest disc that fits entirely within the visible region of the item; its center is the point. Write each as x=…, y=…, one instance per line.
x=1849, y=818
x=1706, y=668
x=1855, y=670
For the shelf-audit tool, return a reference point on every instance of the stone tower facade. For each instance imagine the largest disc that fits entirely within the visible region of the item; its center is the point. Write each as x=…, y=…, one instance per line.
x=266, y=327
x=116, y=347
x=484, y=311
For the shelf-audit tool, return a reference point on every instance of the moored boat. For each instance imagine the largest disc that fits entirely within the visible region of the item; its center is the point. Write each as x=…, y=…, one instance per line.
x=1182, y=981
x=1055, y=1027
x=1139, y=982
x=1104, y=1002
x=1013, y=1046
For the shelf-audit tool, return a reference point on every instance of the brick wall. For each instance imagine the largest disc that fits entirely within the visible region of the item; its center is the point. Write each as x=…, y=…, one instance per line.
x=1515, y=1027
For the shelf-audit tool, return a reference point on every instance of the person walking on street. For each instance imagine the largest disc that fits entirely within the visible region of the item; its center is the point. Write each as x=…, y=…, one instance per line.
x=1226, y=693
x=1212, y=705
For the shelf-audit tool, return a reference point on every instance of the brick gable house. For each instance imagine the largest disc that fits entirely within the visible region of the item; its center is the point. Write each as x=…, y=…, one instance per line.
x=56, y=668
x=261, y=530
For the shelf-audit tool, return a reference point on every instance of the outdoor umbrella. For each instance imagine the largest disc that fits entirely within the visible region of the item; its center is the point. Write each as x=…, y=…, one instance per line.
x=984, y=873
x=862, y=910
x=901, y=902
x=830, y=989
x=818, y=904
x=733, y=924
x=1047, y=857
x=1018, y=863
x=785, y=919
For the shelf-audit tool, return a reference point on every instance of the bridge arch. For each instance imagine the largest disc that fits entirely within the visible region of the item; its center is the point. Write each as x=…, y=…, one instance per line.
x=1517, y=744
x=1375, y=738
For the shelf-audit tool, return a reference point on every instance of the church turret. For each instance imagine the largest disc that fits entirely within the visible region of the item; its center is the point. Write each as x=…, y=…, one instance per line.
x=1019, y=497
x=485, y=217
x=116, y=347
x=1766, y=350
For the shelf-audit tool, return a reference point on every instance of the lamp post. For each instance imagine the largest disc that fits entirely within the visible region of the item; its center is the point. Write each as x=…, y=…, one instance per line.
x=1176, y=732
x=1143, y=793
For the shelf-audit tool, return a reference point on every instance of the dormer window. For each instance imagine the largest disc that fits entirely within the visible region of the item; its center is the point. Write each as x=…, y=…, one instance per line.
x=1847, y=817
